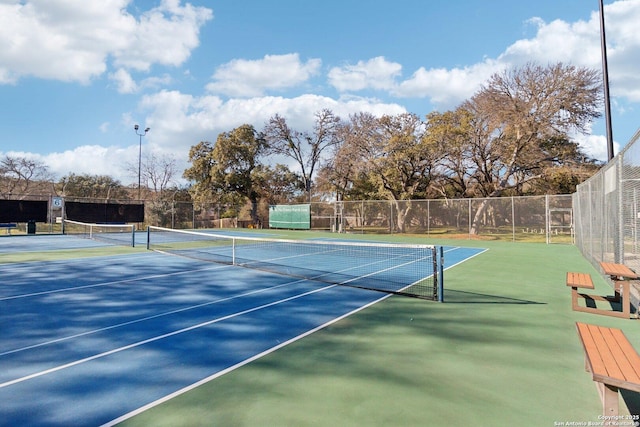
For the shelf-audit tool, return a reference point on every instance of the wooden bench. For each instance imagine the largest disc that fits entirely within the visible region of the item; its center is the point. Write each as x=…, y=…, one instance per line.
x=8, y=226
x=620, y=275
x=575, y=281
x=612, y=361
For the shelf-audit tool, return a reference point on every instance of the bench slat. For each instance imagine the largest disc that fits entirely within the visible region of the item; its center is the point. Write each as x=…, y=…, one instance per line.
x=615, y=360
x=628, y=357
x=597, y=363
x=579, y=280
x=610, y=357
x=620, y=270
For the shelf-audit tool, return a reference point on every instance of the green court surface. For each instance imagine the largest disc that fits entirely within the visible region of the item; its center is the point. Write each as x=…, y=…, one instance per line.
x=502, y=350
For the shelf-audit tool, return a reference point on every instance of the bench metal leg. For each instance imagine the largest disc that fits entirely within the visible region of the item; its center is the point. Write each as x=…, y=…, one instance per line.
x=574, y=299
x=623, y=299
x=609, y=397
x=626, y=298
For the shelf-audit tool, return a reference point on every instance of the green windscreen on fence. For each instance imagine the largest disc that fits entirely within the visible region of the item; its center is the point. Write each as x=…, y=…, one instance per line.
x=290, y=216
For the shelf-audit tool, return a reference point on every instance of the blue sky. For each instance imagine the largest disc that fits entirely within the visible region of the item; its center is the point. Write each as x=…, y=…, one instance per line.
x=76, y=75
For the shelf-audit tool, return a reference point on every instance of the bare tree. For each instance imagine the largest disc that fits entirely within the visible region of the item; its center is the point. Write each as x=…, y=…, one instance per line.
x=158, y=171
x=305, y=148
x=20, y=176
x=523, y=118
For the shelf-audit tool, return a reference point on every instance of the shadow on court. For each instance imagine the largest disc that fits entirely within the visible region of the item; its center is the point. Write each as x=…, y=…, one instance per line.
x=495, y=353
x=466, y=297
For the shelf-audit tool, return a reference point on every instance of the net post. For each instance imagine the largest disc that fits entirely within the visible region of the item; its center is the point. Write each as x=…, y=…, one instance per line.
x=434, y=273
x=148, y=237
x=133, y=236
x=441, y=271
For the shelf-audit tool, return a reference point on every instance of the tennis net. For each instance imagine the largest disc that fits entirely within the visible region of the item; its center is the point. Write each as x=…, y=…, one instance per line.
x=119, y=234
x=388, y=267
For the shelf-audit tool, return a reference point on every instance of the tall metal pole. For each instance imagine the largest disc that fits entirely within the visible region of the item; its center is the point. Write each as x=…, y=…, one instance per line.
x=618, y=249
x=605, y=80
x=136, y=127
x=139, y=164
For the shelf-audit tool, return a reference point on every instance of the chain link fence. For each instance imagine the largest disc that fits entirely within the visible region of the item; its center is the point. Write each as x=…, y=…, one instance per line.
x=524, y=219
x=547, y=219
x=536, y=218
x=189, y=215
x=607, y=216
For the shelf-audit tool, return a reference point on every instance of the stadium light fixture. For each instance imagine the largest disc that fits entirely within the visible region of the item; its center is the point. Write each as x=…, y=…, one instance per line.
x=136, y=127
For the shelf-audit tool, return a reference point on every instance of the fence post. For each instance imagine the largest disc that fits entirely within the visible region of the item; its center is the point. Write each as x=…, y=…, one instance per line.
x=547, y=220
x=428, y=217
x=469, y=219
x=513, y=219
x=619, y=232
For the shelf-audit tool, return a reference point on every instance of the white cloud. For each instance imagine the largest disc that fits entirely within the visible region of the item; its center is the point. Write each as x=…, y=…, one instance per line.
x=88, y=159
x=447, y=87
x=76, y=40
x=180, y=120
x=126, y=84
x=576, y=43
x=622, y=19
x=72, y=40
x=123, y=81
x=444, y=87
x=595, y=146
x=164, y=35
x=376, y=73
x=246, y=78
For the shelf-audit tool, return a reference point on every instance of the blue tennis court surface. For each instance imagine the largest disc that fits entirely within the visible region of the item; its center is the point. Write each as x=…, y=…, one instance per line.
x=87, y=341
x=45, y=243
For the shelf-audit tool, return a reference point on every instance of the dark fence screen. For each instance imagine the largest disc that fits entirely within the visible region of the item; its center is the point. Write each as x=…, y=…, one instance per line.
x=23, y=210
x=104, y=213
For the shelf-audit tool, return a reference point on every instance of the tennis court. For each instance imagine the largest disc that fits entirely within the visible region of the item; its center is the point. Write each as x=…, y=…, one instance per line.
x=89, y=340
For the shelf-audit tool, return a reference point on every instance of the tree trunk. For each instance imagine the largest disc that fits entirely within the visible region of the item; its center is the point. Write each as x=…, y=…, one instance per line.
x=475, y=224
x=402, y=214
x=254, y=211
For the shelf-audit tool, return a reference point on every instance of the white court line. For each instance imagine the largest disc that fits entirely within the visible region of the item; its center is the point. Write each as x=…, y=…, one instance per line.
x=116, y=282
x=155, y=316
x=256, y=357
x=157, y=338
x=143, y=319
x=168, y=313
x=237, y=365
x=71, y=364
x=172, y=311
x=467, y=258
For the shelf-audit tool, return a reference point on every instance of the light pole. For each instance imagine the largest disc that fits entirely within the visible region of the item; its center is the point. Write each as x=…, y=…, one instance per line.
x=605, y=80
x=136, y=127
